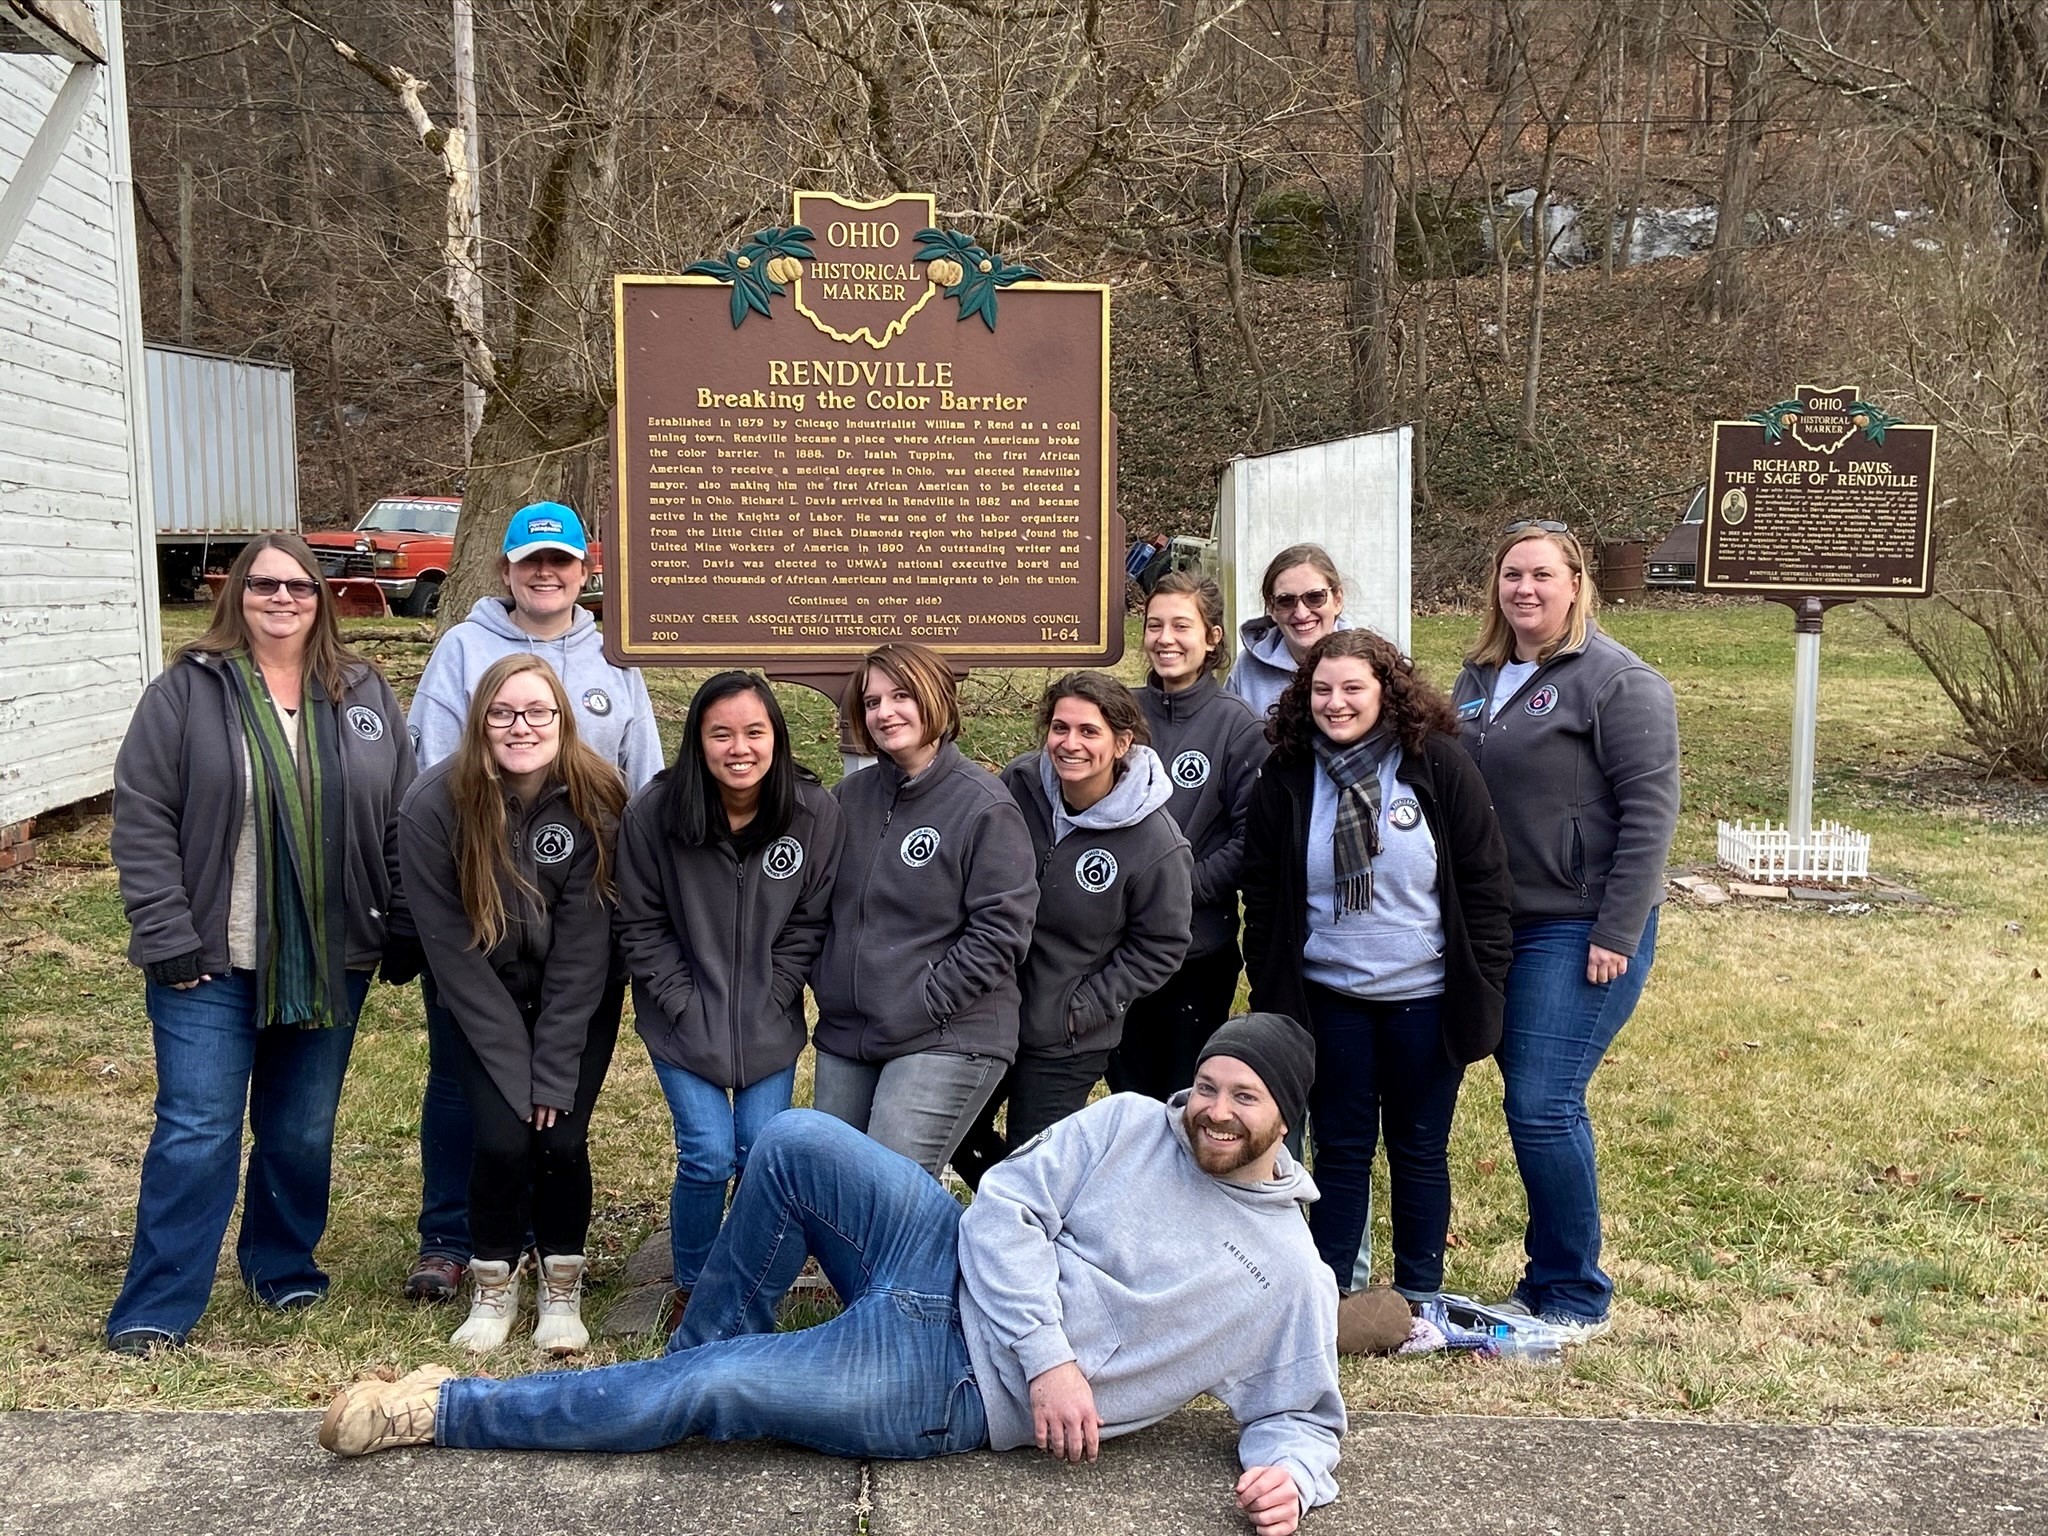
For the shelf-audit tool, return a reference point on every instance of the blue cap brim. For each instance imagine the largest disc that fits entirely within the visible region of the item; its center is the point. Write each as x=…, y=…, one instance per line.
x=526, y=551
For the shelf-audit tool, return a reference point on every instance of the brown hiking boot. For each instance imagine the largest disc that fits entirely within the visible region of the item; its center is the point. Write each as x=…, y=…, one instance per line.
x=375, y=1415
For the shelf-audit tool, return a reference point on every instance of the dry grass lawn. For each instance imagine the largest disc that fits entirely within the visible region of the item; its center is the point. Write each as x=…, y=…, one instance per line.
x=1824, y=1137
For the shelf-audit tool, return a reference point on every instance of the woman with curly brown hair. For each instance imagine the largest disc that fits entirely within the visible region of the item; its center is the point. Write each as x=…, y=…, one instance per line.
x=1377, y=906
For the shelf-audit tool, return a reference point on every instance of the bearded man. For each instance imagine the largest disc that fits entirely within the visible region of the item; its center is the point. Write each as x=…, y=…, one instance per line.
x=1122, y=1263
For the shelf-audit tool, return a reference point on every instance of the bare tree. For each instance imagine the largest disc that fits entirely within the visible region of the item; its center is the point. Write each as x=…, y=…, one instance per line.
x=1720, y=292
x=1382, y=38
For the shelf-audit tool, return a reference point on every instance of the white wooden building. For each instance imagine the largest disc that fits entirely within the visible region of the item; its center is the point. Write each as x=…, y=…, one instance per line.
x=78, y=607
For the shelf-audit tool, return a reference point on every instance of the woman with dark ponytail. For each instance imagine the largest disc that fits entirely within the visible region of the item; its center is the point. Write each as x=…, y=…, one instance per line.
x=726, y=864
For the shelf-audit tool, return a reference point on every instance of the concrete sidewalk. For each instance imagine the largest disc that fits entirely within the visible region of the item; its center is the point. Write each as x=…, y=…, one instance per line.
x=110, y=1474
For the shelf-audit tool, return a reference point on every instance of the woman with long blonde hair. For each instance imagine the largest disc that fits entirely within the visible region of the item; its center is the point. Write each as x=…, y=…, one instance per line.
x=507, y=851
x=254, y=797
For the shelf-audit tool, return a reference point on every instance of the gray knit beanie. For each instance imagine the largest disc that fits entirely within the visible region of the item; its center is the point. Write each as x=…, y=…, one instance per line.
x=1279, y=1050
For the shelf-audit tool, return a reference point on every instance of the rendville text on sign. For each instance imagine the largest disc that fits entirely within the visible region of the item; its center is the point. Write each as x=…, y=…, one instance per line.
x=860, y=428
x=1822, y=495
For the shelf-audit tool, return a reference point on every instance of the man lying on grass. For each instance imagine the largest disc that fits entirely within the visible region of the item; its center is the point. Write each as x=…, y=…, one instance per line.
x=1129, y=1259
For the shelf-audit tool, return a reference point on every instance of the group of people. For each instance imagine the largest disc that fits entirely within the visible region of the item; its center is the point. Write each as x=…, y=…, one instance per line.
x=1425, y=880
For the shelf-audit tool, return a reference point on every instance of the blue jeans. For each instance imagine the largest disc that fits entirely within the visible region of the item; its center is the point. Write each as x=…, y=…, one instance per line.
x=446, y=1136
x=715, y=1130
x=1559, y=1025
x=211, y=1061
x=1381, y=1069
x=888, y=1378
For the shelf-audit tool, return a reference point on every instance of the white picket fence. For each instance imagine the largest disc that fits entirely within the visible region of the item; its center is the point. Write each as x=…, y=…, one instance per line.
x=1766, y=852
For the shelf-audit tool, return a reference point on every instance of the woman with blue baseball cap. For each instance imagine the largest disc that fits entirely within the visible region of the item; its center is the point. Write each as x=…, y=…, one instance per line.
x=544, y=566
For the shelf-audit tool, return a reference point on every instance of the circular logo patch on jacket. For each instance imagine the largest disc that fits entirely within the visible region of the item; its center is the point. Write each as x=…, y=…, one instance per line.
x=366, y=722
x=553, y=843
x=1404, y=814
x=598, y=702
x=1095, y=871
x=1542, y=701
x=1191, y=770
x=919, y=846
x=782, y=858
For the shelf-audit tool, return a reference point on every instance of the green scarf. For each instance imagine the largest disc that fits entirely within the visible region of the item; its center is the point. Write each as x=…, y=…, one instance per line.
x=300, y=814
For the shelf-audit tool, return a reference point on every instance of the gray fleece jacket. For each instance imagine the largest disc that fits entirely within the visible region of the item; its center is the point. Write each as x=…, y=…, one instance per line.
x=178, y=792
x=614, y=716
x=720, y=947
x=1264, y=666
x=931, y=915
x=524, y=1007
x=1583, y=766
x=1212, y=745
x=1103, y=1242
x=1114, y=887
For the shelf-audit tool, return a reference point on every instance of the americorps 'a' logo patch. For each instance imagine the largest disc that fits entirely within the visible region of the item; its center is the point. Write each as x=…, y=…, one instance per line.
x=553, y=843
x=919, y=846
x=1095, y=871
x=782, y=858
x=1404, y=814
x=366, y=722
x=1543, y=700
x=1191, y=770
x=598, y=702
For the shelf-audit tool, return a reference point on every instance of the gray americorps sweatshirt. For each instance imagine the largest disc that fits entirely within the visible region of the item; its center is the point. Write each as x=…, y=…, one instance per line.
x=614, y=716
x=1103, y=1242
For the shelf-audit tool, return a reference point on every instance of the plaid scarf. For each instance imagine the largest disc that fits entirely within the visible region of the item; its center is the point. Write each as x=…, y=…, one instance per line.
x=300, y=813
x=1355, y=770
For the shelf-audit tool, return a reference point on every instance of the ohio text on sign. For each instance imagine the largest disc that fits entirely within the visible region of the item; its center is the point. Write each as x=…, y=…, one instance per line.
x=1824, y=495
x=840, y=434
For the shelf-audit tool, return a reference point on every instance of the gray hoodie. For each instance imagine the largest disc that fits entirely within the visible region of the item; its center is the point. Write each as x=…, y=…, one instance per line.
x=1103, y=1242
x=1114, y=885
x=1264, y=666
x=614, y=716
x=931, y=915
x=1212, y=746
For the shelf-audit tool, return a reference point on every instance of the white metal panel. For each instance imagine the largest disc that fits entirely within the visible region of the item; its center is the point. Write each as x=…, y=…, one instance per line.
x=1353, y=496
x=78, y=635
x=223, y=445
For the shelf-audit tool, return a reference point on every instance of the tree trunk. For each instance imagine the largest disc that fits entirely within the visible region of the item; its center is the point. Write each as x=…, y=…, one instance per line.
x=1651, y=74
x=187, y=262
x=1720, y=293
x=1379, y=70
x=1240, y=311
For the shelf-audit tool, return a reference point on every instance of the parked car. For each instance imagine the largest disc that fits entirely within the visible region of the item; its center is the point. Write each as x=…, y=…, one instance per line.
x=404, y=544
x=1676, y=561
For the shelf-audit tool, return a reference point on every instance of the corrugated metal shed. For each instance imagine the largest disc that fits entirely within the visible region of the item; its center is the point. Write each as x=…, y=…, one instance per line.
x=223, y=448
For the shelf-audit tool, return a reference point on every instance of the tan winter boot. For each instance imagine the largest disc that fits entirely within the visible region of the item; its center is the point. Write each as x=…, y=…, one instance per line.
x=376, y=1415
x=493, y=1304
x=559, y=1329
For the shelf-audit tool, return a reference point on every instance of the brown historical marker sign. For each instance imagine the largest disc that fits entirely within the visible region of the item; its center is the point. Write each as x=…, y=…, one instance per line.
x=860, y=428
x=1823, y=495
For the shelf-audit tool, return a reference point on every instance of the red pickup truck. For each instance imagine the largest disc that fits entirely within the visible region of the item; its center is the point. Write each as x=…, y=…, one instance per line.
x=399, y=555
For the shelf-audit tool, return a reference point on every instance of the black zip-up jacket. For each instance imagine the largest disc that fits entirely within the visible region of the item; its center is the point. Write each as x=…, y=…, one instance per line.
x=525, y=1007
x=178, y=798
x=931, y=915
x=720, y=947
x=1583, y=763
x=1472, y=889
x=1109, y=931
x=1212, y=745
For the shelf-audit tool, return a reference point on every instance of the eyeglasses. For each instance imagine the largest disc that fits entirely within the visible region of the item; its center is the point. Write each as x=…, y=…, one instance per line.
x=1541, y=525
x=1287, y=602
x=539, y=717
x=300, y=587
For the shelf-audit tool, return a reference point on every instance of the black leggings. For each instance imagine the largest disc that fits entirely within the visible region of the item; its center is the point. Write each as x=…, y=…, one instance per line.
x=1041, y=1090
x=522, y=1180
x=1164, y=1033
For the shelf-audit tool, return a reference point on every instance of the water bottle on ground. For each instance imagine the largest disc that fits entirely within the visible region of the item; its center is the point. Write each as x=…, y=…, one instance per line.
x=1526, y=1346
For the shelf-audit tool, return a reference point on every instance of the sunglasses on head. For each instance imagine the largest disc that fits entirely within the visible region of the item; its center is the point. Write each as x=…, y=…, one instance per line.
x=1539, y=524
x=300, y=587
x=1313, y=601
